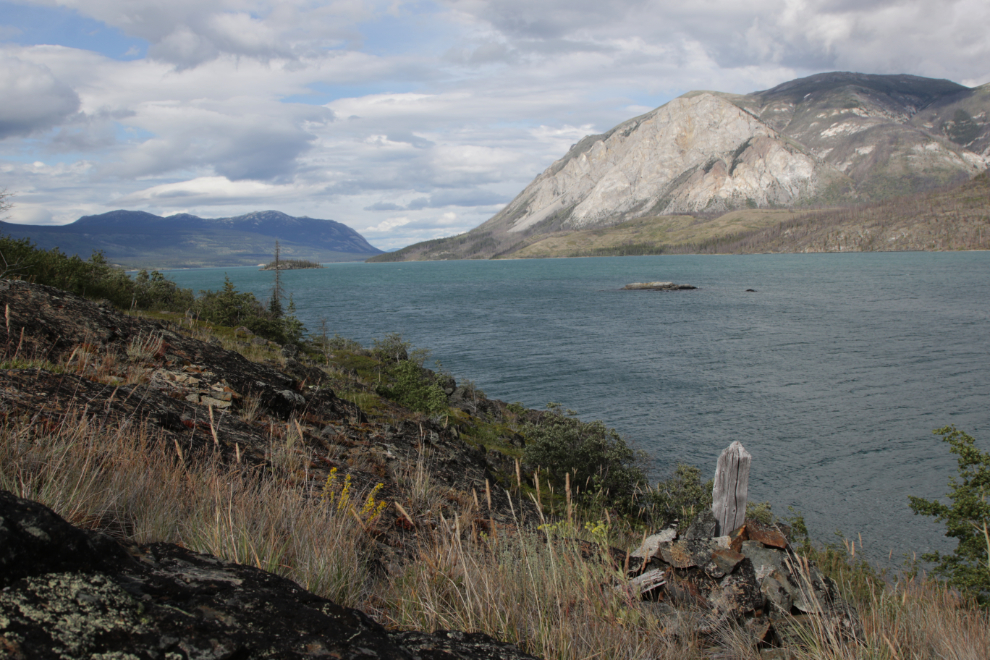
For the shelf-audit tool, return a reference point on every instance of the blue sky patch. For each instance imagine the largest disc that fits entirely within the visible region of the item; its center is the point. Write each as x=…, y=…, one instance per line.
x=34, y=26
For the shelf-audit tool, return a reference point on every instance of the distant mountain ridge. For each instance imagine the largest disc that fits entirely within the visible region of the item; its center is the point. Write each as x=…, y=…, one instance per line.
x=826, y=140
x=140, y=239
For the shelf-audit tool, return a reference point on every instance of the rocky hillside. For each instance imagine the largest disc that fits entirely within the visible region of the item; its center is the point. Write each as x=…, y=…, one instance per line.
x=953, y=218
x=136, y=239
x=831, y=139
x=171, y=490
x=192, y=474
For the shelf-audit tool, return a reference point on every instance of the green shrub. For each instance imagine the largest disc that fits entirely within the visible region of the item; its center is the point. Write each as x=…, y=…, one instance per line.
x=391, y=347
x=681, y=497
x=93, y=278
x=231, y=308
x=338, y=343
x=760, y=512
x=966, y=517
x=154, y=291
x=228, y=306
x=411, y=386
x=601, y=464
x=96, y=278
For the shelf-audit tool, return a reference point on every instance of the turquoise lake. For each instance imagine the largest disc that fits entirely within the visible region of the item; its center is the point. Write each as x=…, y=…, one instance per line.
x=833, y=373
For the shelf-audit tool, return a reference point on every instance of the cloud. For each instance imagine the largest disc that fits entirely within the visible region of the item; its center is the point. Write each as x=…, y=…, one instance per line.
x=188, y=33
x=208, y=191
x=386, y=226
x=432, y=113
x=384, y=206
x=33, y=98
x=248, y=146
x=924, y=37
x=30, y=214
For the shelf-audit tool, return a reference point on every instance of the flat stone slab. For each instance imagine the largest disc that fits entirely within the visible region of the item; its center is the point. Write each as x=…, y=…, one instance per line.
x=651, y=545
x=726, y=559
x=688, y=552
x=657, y=286
x=765, y=534
x=764, y=559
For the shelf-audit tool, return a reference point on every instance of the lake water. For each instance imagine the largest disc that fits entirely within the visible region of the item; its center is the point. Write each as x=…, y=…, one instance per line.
x=832, y=374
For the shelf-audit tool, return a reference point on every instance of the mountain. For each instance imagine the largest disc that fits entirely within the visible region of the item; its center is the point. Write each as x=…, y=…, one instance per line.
x=827, y=140
x=950, y=218
x=138, y=239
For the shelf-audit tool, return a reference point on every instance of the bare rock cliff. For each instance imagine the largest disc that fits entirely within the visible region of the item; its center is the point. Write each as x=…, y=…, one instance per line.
x=698, y=152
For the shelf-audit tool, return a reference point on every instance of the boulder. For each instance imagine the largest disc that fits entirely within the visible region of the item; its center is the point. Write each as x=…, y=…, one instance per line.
x=163, y=601
x=739, y=592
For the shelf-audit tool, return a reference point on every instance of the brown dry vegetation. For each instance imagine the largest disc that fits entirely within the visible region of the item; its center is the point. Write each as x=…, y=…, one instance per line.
x=956, y=218
x=463, y=572
x=952, y=219
x=656, y=233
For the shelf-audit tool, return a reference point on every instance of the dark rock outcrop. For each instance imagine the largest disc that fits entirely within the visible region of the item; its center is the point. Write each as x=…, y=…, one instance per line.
x=68, y=593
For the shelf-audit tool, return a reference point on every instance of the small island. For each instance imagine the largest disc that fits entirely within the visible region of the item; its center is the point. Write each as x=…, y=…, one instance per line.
x=291, y=264
x=657, y=286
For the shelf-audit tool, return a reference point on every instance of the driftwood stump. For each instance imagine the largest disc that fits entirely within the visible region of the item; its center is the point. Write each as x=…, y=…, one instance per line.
x=731, y=488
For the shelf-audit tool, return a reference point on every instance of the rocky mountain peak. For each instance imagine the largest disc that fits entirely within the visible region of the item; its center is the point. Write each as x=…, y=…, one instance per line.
x=698, y=152
x=826, y=140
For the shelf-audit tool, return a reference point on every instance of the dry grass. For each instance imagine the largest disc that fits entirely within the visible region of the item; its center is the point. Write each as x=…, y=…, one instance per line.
x=663, y=232
x=123, y=478
x=520, y=587
x=913, y=619
x=539, y=594
x=144, y=347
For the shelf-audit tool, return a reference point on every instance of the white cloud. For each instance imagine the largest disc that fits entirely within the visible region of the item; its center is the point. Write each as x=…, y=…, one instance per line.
x=386, y=225
x=33, y=98
x=432, y=113
x=206, y=190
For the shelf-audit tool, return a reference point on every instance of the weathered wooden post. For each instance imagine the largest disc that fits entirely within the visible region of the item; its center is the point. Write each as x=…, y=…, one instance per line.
x=731, y=488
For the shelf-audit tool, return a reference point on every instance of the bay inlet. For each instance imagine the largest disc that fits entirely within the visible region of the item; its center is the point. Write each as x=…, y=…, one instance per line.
x=832, y=372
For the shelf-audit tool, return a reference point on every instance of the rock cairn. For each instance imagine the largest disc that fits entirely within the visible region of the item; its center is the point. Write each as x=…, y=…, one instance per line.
x=749, y=576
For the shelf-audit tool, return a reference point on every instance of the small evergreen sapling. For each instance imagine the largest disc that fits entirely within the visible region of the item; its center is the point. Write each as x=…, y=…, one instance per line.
x=967, y=518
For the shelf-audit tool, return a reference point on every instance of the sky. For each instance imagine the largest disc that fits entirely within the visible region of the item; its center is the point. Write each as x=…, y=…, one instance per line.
x=404, y=120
